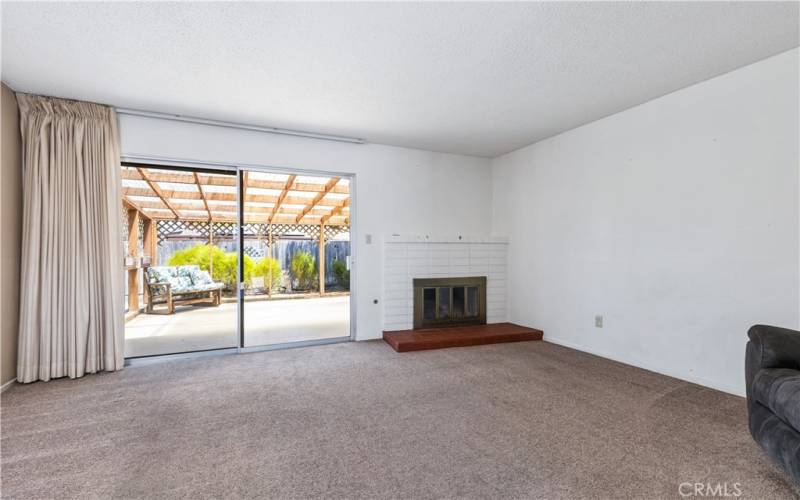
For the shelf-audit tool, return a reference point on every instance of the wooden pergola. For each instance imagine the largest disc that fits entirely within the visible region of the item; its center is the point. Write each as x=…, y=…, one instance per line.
x=150, y=195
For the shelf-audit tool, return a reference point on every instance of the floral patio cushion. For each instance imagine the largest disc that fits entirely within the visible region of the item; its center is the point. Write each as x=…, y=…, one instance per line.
x=187, y=271
x=182, y=279
x=160, y=274
x=202, y=278
x=181, y=284
x=208, y=287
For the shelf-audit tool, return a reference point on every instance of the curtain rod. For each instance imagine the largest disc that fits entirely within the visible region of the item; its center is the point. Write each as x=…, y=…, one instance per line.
x=241, y=126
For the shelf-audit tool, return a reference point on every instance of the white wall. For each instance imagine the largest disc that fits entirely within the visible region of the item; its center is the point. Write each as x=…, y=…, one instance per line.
x=677, y=220
x=397, y=190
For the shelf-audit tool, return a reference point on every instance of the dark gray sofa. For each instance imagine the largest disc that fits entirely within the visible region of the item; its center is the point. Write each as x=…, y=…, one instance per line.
x=772, y=374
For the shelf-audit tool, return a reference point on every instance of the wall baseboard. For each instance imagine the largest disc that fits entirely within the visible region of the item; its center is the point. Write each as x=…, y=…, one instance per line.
x=712, y=384
x=7, y=385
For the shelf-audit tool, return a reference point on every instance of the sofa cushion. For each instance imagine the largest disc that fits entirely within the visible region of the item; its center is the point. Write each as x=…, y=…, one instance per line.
x=208, y=287
x=160, y=274
x=181, y=284
x=779, y=390
x=202, y=278
x=187, y=271
x=780, y=440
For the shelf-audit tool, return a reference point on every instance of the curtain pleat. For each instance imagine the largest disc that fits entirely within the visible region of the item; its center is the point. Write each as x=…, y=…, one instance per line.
x=71, y=297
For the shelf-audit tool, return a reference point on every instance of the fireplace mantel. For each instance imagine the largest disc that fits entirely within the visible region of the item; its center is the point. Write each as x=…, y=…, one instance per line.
x=408, y=257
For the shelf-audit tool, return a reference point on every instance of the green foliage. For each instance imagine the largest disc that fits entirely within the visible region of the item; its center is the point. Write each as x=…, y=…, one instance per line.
x=341, y=273
x=224, y=263
x=262, y=268
x=304, y=270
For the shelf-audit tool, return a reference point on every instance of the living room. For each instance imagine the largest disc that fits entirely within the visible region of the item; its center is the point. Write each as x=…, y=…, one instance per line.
x=566, y=238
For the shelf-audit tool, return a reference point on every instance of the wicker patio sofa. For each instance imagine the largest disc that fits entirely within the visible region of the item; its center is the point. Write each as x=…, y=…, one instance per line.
x=180, y=284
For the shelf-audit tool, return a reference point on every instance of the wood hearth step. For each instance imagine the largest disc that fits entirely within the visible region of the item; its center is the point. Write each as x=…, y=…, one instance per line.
x=459, y=336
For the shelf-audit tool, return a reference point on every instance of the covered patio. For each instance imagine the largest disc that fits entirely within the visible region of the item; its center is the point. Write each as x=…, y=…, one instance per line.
x=172, y=215
x=267, y=322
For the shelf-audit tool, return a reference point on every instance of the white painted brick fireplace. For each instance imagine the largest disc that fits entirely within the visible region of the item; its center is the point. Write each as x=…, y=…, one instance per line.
x=409, y=257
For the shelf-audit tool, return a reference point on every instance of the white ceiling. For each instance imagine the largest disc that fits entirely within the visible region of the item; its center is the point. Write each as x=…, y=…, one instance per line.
x=472, y=78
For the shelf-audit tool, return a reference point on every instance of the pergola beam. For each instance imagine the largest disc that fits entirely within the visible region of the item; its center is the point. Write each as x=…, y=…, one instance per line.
x=247, y=220
x=227, y=180
x=151, y=205
x=336, y=211
x=214, y=196
x=128, y=203
x=328, y=186
x=159, y=194
x=286, y=188
x=202, y=195
x=157, y=190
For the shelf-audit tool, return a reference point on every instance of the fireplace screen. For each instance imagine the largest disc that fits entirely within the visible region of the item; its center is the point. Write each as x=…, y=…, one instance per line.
x=449, y=301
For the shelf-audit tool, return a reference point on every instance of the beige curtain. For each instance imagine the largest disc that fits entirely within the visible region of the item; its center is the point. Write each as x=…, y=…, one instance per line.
x=71, y=294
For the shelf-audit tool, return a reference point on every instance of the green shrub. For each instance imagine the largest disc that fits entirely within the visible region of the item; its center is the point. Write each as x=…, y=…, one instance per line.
x=262, y=268
x=303, y=270
x=341, y=273
x=224, y=263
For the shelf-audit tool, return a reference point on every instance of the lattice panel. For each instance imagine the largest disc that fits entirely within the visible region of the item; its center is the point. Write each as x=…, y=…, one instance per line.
x=310, y=230
x=254, y=252
x=165, y=228
x=140, y=243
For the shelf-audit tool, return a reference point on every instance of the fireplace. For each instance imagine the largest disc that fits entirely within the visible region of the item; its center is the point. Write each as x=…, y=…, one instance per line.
x=449, y=301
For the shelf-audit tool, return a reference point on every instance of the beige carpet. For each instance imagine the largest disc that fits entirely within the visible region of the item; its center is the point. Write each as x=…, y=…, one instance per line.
x=357, y=420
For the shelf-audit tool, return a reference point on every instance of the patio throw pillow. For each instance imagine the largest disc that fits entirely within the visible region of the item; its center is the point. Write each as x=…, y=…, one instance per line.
x=202, y=278
x=187, y=271
x=160, y=274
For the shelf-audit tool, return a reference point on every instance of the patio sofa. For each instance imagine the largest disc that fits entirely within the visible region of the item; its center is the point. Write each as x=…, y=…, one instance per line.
x=180, y=284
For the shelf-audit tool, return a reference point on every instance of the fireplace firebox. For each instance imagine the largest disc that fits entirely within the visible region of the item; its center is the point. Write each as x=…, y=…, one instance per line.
x=449, y=301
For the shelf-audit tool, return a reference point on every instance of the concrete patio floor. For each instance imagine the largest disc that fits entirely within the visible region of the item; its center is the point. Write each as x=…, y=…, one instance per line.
x=196, y=328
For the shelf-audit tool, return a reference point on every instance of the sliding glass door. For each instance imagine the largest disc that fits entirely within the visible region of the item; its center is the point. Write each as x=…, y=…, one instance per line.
x=221, y=258
x=296, y=258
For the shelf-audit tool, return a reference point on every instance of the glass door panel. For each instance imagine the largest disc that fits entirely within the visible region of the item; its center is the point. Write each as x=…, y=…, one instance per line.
x=182, y=255
x=296, y=258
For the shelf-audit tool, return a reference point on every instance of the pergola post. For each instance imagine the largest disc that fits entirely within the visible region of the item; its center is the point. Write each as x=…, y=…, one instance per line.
x=211, y=248
x=151, y=240
x=322, y=258
x=269, y=256
x=150, y=248
x=133, y=250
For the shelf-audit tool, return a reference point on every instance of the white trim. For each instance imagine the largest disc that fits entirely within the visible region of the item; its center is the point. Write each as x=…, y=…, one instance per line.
x=712, y=384
x=429, y=238
x=292, y=345
x=230, y=166
x=353, y=191
x=7, y=385
x=160, y=358
x=240, y=126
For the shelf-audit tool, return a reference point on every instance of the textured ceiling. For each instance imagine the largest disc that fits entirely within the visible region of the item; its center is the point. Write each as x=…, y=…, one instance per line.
x=472, y=78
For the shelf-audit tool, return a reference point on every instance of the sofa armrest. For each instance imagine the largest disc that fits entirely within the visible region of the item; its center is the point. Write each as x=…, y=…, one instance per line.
x=770, y=347
x=155, y=288
x=775, y=347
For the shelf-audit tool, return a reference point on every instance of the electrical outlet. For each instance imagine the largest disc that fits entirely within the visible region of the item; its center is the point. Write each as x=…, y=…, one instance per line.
x=598, y=321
